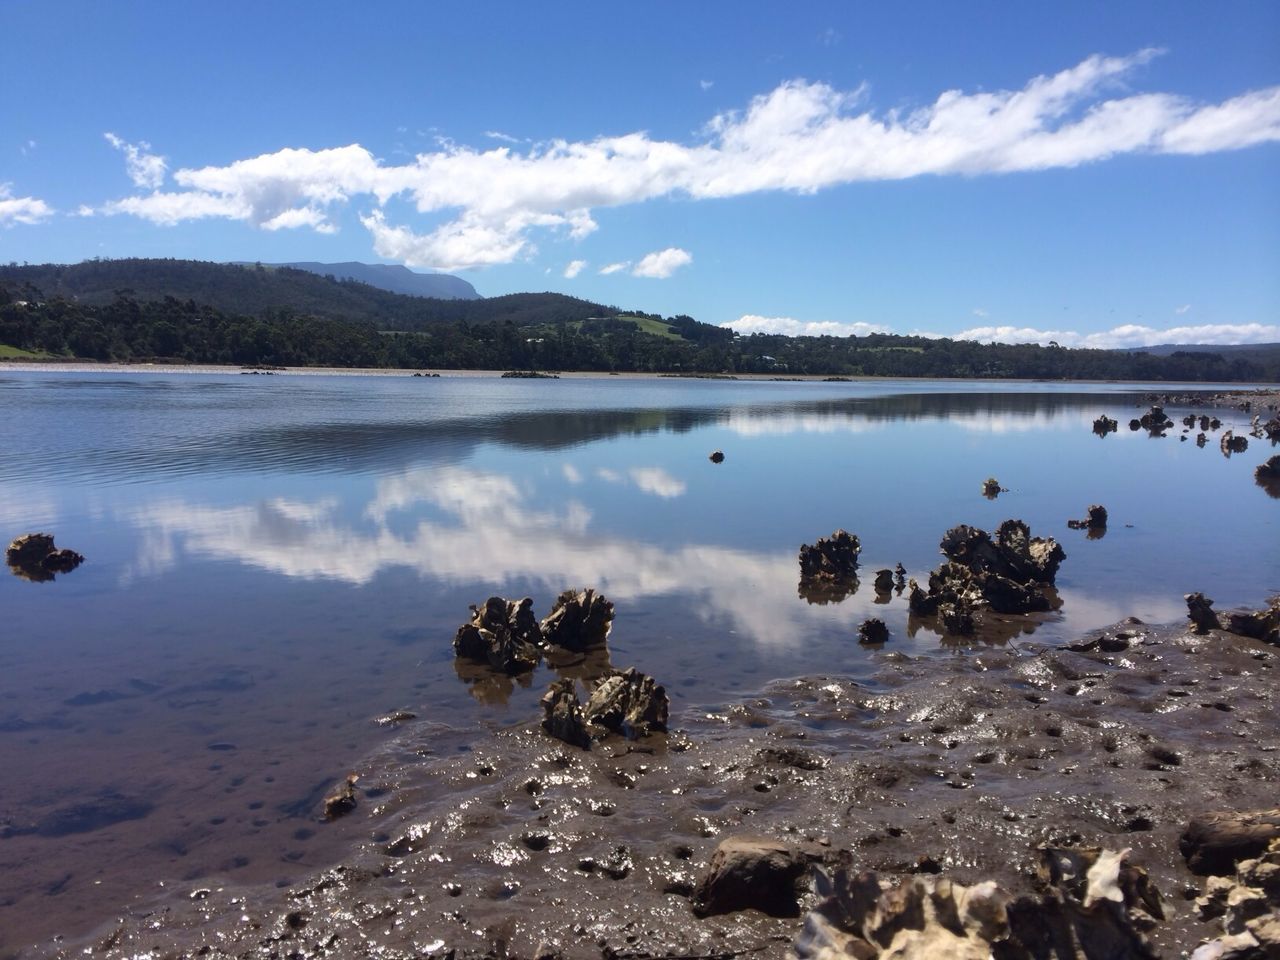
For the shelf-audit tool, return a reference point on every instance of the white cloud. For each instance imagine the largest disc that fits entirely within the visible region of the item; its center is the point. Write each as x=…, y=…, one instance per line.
x=750, y=323
x=145, y=168
x=979, y=312
x=571, y=473
x=662, y=263
x=657, y=481
x=574, y=268
x=706, y=84
x=1128, y=335
x=25, y=210
x=499, y=135
x=801, y=137
x=614, y=268
x=1182, y=309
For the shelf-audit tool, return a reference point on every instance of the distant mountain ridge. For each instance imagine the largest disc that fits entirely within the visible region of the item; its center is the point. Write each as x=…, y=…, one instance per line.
x=388, y=276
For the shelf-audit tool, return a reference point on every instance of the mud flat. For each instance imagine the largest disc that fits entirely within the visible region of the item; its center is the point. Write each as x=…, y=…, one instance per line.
x=965, y=765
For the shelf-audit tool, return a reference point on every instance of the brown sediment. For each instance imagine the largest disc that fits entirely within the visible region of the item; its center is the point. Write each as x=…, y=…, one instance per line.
x=964, y=766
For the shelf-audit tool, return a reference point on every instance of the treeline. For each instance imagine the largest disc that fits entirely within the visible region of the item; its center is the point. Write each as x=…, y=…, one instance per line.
x=129, y=329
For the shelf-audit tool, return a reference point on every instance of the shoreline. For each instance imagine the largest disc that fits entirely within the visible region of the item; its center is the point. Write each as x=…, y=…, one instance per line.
x=1269, y=393
x=520, y=845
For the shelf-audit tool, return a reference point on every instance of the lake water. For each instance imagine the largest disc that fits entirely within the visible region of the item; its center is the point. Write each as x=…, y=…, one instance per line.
x=273, y=562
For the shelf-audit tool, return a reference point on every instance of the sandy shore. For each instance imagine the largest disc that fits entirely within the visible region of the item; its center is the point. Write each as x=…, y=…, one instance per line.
x=520, y=845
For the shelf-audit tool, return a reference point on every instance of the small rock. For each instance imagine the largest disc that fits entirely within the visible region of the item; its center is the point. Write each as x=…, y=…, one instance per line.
x=1200, y=612
x=34, y=557
x=343, y=800
x=717, y=456
x=873, y=631
x=748, y=872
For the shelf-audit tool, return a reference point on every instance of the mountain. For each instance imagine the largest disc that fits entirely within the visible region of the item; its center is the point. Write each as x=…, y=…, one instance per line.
x=391, y=277
x=258, y=289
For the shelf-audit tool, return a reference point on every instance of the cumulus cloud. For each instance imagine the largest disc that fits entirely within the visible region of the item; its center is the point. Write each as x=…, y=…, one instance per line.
x=614, y=268
x=145, y=168
x=662, y=263
x=656, y=481
x=574, y=268
x=801, y=137
x=1128, y=335
x=25, y=210
x=750, y=323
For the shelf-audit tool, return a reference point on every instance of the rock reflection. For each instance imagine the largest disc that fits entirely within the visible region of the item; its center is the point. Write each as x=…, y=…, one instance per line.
x=493, y=688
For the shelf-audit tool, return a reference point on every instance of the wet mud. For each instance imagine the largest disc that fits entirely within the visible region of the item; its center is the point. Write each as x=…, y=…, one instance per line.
x=964, y=764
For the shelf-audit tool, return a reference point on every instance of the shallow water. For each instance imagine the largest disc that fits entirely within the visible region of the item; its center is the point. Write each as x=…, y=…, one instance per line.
x=275, y=561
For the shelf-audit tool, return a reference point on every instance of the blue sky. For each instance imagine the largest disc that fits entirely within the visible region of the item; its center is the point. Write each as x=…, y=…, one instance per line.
x=1095, y=173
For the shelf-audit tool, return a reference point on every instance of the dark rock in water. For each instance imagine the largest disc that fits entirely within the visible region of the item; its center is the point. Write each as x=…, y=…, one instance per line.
x=1201, y=439
x=1267, y=476
x=562, y=714
x=1271, y=429
x=1135, y=424
x=1104, y=425
x=751, y=873
x=831, y=558
x=900, y=576
x=873, y=631
x=991, y=488
x=627, y=702
x=1155, y=421
x=717, y=456
x=34, y=557
x=578, y=621
x=1092, y=904
x=395, y=718
x=1200, y=613
x=1096, y=519
x=343, y=800
x=1230, y=444
x=1008, y=575
x=884, y=581
x=503, y=633
x=1214, y=423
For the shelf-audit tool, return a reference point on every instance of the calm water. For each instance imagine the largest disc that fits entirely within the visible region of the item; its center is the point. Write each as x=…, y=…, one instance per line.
x=275, y=561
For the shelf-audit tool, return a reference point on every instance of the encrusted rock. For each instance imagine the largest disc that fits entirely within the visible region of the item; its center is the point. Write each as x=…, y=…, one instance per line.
x=35, y=557
x=1260, y=624
x=562, y=714
x=751, y=873
x=1155, y=420
x=578, y=621
x=343, y=800
x=1093, y=904
x=503, y=633
x=1249, y=907
x=1200, y=613
x=1104, y=425
x=991, y=488
x=1008, y=575
x=831, y=558
x=1267, y=475
x=884, y=581
x=628, y=703
x=873, y=630
x=1231, y=443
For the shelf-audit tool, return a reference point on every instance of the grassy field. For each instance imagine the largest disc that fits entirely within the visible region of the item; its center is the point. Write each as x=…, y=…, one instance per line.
x=655, y=327
x=14, y=353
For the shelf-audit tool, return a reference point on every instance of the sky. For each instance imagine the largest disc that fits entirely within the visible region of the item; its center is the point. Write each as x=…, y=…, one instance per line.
x=1099, y=174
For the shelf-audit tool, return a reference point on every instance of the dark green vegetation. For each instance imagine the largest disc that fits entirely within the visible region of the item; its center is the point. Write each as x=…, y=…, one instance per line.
x=198, y=312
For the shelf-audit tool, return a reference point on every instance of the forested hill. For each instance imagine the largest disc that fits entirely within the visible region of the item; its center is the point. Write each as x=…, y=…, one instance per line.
x=255, y=289
x=185, y=311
